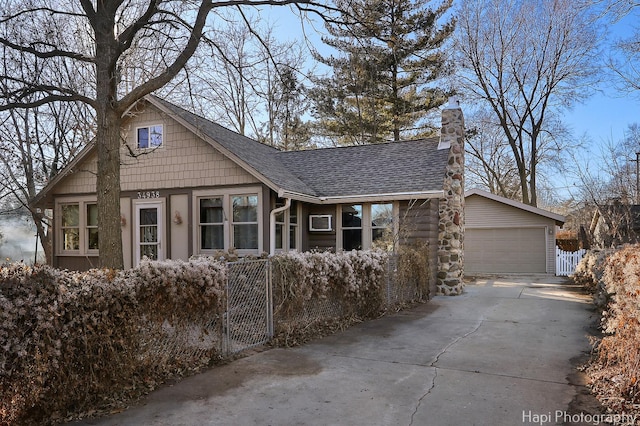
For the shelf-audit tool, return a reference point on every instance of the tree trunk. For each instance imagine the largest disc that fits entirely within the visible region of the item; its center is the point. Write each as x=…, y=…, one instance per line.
x=109, y=123
x=108, y=187
x=44, y=234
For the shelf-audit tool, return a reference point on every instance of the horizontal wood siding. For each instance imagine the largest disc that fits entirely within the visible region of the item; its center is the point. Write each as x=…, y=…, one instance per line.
x=419, y=224
x=75, y=263
x=481, y=212
x=318, y=240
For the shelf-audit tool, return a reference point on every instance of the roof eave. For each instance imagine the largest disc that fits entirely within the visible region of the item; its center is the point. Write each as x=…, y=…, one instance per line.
x=44, y=194
x=362, y=198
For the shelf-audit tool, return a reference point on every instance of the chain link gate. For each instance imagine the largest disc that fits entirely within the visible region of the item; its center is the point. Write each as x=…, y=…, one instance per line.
x=249, y=316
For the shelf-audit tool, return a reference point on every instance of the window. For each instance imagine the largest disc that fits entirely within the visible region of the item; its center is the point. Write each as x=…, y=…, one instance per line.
x=365, y=226
x=148, y=232
x=150, y=137
x=227, y=219
x=293, y=226
x=245, y=221
x=92, y=226
x=382, y=226
x=78, y=227
x=280, y=226
x=211, y=223
x=352, y=227
x=70, y=227
x=287, y=219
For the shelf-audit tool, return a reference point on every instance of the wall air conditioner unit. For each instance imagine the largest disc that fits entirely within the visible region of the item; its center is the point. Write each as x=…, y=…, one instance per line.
x=320, y=223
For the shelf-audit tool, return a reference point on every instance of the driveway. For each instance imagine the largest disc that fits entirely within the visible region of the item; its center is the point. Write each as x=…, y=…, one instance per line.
x=500, y=354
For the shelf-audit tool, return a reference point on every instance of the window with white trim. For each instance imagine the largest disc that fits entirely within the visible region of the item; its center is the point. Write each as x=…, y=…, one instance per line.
x=227, y=219
x=287, y=226
x=149, y=137
x=78, y=227
x=244, y=224
x=92, y=226
x=70, y=226
x=294, y=229
x=211, y=223
x=382, y=226
x=365, y=226
x=352, y=227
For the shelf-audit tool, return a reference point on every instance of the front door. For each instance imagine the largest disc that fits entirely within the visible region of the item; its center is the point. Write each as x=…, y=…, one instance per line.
x=149, y=232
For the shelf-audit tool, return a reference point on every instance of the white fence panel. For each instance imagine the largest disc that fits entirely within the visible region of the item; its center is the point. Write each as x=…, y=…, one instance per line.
x=566, y=261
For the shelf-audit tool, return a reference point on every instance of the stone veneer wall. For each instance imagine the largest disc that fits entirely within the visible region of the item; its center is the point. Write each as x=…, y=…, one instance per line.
x=450, y=274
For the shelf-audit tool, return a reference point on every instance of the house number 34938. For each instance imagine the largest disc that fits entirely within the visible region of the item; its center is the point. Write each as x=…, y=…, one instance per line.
x=148, y=194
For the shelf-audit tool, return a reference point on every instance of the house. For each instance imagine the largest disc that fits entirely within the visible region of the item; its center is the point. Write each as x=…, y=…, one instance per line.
x=507, y=236
x=615, y=224
x=192, y=187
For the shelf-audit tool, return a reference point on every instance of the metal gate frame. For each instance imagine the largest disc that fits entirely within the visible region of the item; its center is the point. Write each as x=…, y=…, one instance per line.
x=248, y=319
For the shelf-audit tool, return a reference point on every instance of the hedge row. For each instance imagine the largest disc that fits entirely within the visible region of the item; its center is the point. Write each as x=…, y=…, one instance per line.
x=76, y=342
x=71, y=341
x=615, y=372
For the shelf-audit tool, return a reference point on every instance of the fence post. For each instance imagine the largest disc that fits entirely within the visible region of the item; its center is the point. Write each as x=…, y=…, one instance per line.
x=269, y=292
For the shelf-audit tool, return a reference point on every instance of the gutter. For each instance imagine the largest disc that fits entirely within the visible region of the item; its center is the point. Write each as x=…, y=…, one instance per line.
x=272, y=225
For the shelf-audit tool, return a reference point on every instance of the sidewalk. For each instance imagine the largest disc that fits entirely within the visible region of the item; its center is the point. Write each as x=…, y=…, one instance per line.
x=500, y=354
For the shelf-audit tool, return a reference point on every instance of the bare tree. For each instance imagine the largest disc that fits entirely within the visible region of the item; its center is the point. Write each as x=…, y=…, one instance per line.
x=626, y=64
x=239, y=74
x=523, y=61
x=123, y=51
x=35, y=144
x=608, y=185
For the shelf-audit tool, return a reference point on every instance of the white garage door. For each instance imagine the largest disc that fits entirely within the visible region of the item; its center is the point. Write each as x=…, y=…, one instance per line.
x=504, y=250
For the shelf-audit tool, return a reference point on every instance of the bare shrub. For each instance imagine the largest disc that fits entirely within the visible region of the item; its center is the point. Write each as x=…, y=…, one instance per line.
x=616, y=370
x=75, y=341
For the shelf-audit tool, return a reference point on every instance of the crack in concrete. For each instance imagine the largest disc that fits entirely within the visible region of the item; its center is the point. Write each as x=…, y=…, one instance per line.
x=433, y=365
x=510, y=376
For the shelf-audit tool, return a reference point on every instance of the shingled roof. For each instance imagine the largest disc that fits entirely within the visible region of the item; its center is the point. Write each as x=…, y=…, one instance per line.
x=395, y=170
x=407, y=169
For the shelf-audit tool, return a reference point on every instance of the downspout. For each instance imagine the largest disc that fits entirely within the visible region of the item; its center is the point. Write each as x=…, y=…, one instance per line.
x=272, y=225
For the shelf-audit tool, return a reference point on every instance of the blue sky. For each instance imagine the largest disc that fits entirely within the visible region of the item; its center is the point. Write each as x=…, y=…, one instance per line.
x=606, y=115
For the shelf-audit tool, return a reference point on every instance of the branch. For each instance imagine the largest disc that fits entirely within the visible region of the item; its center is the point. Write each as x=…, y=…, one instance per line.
x=71, y=97
x=54, y=53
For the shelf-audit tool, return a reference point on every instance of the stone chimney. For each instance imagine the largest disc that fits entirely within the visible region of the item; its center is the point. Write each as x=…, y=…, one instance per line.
x=450, y=274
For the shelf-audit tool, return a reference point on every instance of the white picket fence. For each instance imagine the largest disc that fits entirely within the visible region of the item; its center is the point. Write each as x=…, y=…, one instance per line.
x=566, y=261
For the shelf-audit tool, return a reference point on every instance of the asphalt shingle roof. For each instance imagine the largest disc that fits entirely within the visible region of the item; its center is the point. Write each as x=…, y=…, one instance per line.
x=388, y=168
x=395, y=167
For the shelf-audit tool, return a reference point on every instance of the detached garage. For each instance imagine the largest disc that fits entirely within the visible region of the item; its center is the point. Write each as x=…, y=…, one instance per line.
x=506, y=236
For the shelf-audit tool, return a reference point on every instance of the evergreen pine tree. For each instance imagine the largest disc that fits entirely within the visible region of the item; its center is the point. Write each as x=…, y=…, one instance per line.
x=383, y=81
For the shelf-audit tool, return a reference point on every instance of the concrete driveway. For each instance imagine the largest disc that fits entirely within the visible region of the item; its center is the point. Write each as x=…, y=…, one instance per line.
x=500, y=354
